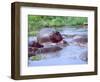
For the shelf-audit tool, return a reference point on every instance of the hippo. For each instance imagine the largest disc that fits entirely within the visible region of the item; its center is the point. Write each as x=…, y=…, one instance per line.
x=49, y=35
x=84, y=56
x=44, y=35
x=81, y=40
x=48, y=40
x=34, y=46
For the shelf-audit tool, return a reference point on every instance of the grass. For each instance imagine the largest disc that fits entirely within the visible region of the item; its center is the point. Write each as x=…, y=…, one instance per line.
x=32, y=33
x=37, y=58
x=35, y=23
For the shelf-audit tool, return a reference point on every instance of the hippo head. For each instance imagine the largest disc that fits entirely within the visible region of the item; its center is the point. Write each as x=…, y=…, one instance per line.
x=56, y=37
x=36, y=44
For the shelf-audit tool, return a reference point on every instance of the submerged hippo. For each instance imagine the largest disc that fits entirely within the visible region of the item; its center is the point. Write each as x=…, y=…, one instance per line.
x=34, y=46
x=84, y=56
x=81, y=40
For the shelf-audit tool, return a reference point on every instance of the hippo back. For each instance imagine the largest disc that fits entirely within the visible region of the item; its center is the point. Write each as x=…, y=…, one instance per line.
x=43, y=35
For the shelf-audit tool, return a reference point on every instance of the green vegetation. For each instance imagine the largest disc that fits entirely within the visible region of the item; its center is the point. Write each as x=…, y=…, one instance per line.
x=37, y=22
x=37, y=57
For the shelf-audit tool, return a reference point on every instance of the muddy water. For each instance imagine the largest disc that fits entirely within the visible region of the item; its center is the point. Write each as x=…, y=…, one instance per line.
x=74, y=53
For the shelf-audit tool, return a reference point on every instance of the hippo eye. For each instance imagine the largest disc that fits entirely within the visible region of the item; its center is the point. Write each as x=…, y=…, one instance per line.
x=58, y=33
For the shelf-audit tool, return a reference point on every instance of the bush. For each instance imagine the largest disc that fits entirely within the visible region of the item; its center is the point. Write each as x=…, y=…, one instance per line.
x=37, y=22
